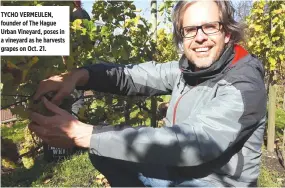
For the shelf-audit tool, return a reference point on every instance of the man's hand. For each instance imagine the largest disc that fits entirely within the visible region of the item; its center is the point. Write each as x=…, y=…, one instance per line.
x=62, y=85
x=61, y=130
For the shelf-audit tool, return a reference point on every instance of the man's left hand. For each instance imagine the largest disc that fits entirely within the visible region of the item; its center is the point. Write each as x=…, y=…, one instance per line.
x=61, y=130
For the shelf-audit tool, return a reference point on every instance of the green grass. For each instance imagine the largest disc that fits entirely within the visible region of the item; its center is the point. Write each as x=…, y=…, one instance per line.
x=74, y=172
x=16, y=132
x=280, y=122
x=268, y=178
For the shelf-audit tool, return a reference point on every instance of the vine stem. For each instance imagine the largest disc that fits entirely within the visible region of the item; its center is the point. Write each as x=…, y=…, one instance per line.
x=7, y=106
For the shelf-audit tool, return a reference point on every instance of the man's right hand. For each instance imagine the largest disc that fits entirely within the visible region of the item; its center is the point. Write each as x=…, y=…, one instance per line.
x=62, y=85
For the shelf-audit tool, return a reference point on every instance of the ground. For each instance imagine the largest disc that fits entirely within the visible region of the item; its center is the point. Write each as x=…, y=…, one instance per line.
x=274, y=162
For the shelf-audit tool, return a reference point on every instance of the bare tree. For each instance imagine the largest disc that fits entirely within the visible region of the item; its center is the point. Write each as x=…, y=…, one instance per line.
x=242, y=8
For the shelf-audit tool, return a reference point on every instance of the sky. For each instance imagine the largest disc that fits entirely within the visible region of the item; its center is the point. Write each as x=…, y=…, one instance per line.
x=140, y=4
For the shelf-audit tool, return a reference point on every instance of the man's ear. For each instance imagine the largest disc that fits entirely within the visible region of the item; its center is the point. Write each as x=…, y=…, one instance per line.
x=227, y=37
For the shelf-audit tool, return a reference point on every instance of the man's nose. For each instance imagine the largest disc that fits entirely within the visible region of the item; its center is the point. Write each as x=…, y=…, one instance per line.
x=201, y=36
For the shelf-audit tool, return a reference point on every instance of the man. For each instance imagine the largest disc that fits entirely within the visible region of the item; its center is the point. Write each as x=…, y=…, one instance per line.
x=215, y=119
x=78, y=12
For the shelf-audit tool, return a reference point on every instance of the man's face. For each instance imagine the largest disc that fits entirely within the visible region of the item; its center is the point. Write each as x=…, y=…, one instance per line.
x=203, y=50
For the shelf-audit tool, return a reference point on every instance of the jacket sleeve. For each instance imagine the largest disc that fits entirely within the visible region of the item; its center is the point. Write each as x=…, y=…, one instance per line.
x=221, y=127
x=145, y=79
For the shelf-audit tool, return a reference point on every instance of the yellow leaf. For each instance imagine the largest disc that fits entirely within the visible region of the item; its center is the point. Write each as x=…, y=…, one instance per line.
x=250, y=43
x=83, y=31
x=272, y=63
x=33, y=61
x=257, y=27
x=275, y=20
x=77, y=24
x=8, y=163
x=272, y=60
x=137, y=19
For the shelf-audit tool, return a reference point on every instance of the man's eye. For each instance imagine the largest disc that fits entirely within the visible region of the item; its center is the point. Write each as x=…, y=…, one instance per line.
x=189, y=30
x=210, y=26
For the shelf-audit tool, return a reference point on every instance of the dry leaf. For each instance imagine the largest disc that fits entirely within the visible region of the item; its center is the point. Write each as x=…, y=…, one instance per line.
x=47, y=180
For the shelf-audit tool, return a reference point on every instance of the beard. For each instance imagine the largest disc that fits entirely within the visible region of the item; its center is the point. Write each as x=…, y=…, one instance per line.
x=201, y=62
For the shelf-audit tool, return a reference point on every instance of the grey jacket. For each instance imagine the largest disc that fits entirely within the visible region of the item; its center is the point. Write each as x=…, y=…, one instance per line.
x=214, y=124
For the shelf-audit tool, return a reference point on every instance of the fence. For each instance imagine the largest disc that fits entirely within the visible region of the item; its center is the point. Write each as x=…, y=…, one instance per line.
x=7, y=116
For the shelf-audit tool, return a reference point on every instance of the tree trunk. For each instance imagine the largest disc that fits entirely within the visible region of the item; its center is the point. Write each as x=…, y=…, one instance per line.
x=154, y=37
x=271, y=117
x=153, y=111
x=127, y=112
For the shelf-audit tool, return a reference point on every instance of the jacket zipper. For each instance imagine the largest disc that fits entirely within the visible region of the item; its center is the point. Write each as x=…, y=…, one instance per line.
x=175, y=107
x=176, y=104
